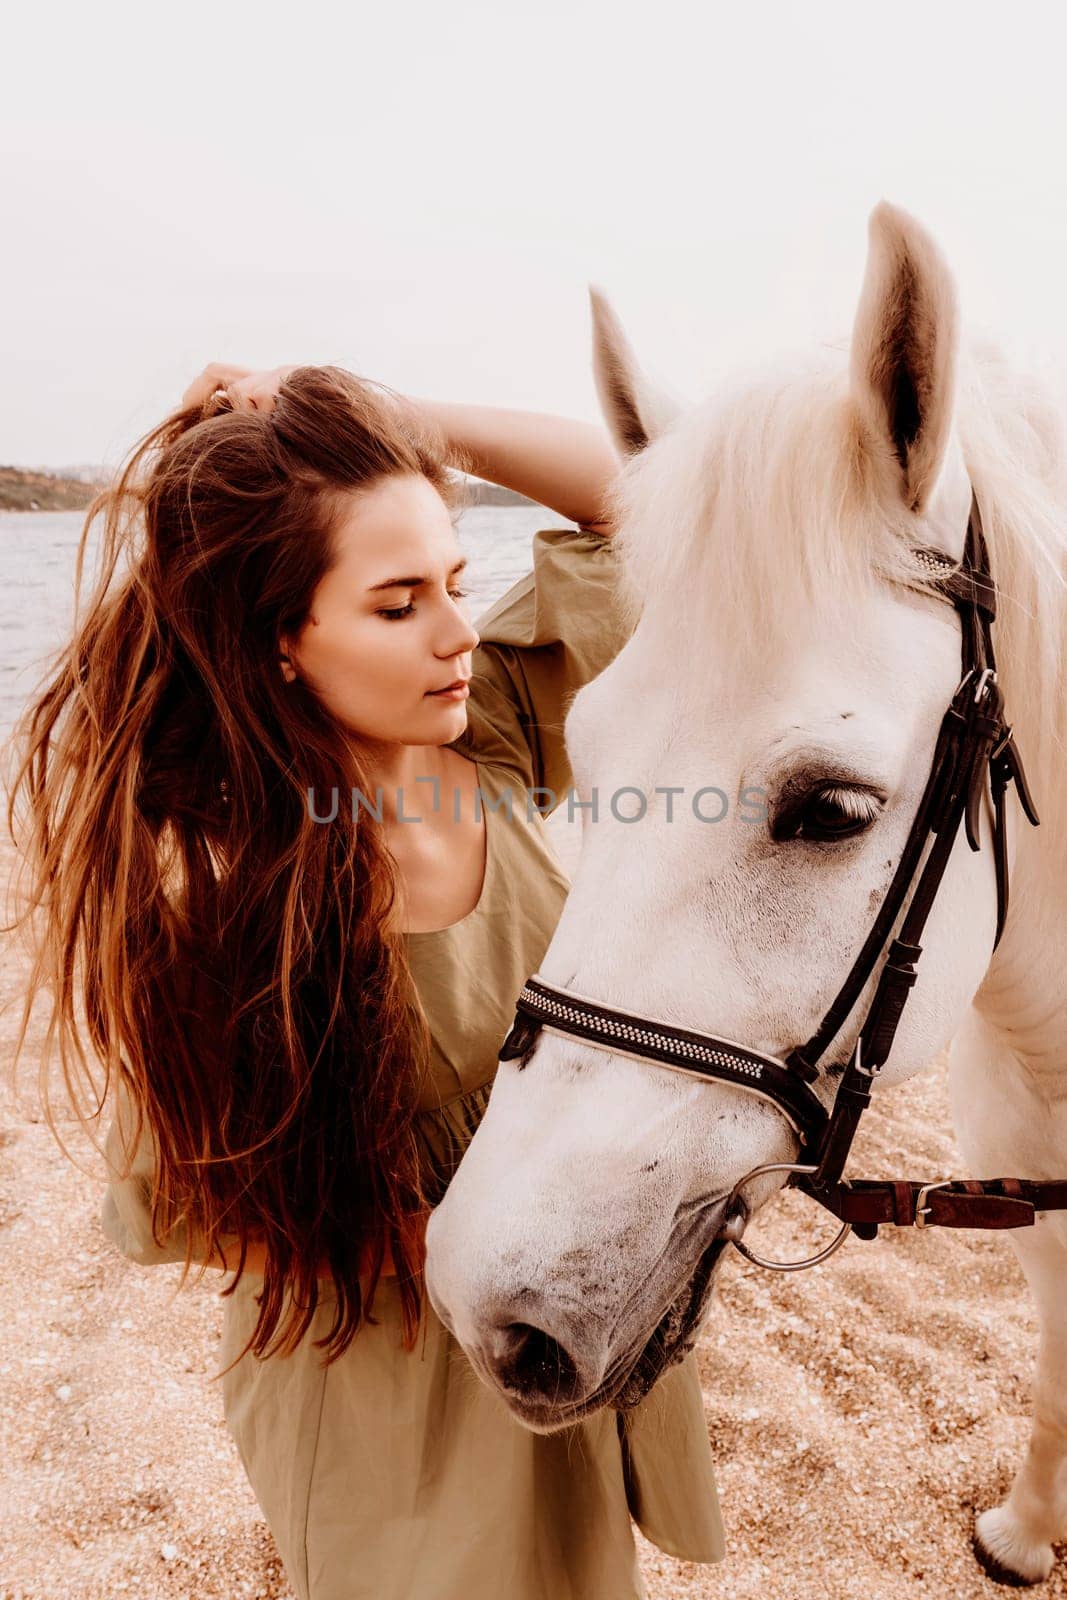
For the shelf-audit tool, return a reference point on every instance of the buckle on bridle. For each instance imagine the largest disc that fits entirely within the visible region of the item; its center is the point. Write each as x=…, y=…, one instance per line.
x=922, y=1210
x=860, y=1064
x=988, y=675
x=1001, y=745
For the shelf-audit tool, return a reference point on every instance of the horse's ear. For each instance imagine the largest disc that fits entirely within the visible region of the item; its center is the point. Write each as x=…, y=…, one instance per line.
x=635, y=411
x=903, y=356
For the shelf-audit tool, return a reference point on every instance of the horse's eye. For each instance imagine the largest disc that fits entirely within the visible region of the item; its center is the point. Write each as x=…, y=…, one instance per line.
x=828, y=814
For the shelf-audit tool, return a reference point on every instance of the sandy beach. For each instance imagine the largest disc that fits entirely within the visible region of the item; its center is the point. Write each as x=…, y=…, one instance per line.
x=859, y=1413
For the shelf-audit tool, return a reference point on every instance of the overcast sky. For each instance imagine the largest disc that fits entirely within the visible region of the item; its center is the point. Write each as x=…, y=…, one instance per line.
x=422, y=191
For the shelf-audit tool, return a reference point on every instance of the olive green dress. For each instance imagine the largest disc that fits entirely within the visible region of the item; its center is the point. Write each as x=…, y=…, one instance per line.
x=397, y=1475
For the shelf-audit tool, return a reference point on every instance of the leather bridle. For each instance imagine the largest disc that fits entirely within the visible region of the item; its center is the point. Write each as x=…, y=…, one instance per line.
x=973, y=741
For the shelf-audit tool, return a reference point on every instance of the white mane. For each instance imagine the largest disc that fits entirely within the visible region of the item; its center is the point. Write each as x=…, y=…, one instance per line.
x=758, y=509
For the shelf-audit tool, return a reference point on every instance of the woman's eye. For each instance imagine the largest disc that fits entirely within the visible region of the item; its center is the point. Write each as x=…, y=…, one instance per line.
x=830, y=814
x=396, y=612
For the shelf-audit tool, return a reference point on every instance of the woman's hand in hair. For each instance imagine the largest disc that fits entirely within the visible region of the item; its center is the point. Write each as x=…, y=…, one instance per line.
x=245, y=388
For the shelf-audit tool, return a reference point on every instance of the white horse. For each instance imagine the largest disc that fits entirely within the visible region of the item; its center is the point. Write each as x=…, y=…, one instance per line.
x=780, y=649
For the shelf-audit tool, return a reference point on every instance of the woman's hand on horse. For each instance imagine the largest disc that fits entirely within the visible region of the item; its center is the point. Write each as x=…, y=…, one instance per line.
x=246, y=388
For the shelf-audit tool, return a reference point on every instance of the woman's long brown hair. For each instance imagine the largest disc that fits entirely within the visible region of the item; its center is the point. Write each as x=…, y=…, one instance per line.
x=234, y=955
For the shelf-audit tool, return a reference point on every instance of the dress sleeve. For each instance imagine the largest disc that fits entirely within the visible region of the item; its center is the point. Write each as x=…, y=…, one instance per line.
x=126, y=1215
x=554, y=630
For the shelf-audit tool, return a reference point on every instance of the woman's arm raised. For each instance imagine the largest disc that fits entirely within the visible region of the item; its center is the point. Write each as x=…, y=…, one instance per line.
x=557, y=461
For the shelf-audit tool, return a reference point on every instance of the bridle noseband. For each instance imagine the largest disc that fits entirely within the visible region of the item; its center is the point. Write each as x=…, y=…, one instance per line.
x=973, y=741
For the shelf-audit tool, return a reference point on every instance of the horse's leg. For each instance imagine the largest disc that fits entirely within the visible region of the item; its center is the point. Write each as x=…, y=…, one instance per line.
x=1015, y=1538
x=1007, y=1126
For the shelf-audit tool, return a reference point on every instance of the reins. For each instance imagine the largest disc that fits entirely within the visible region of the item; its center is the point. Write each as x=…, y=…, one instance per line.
x=973, y=741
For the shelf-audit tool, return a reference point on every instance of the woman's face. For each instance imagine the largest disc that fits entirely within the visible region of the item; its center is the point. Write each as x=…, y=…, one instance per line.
x=386, y=626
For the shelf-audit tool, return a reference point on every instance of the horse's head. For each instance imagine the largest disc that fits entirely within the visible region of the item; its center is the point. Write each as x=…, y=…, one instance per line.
x=757, y=753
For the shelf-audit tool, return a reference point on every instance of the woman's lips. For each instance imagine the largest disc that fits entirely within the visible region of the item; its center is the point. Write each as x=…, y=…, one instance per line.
x=454, y=691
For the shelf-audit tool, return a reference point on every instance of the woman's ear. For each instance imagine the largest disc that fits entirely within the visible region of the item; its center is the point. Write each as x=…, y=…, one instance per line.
x=288, y=670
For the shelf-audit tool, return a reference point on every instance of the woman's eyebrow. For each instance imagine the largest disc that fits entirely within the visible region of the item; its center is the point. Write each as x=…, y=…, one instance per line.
x=413, y=583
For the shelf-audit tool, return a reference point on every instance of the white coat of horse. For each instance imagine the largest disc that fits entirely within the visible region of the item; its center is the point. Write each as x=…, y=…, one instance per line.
x=779, y=659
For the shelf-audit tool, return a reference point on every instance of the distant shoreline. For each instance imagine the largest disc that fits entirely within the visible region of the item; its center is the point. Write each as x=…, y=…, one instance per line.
x=22, y=490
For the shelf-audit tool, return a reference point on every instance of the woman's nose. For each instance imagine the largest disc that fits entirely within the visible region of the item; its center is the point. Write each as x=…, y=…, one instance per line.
x=463, y=639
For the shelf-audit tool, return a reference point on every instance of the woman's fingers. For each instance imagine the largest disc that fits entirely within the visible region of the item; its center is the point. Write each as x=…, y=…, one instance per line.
x=216, y=375
x=245, y=388
x=263, y=387
x=256, y=392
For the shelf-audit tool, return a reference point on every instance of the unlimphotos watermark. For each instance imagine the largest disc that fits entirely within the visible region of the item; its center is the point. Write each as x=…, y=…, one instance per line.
x=706, y=804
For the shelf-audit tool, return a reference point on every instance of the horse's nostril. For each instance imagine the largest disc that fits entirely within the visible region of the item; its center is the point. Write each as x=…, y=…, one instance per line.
x=531, y=1361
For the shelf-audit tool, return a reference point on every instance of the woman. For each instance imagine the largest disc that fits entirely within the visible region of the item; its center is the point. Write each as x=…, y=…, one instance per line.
x=297, y=1000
